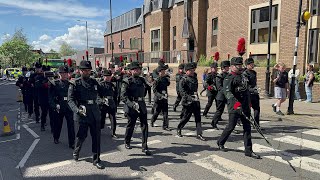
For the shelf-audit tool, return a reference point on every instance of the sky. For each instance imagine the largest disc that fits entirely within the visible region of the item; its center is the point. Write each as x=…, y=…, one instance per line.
x=48, y=23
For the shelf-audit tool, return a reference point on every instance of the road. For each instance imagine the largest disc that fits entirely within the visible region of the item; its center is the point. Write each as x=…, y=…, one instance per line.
x=34, y=155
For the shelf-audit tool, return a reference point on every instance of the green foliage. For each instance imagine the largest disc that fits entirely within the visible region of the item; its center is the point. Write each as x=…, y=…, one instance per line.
x=203, y=61
x=66, y=50
x=53, y=55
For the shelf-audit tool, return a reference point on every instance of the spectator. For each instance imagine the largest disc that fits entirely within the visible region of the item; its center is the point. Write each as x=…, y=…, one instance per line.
x=308, y=83
x=204, y=78
x=281, y=88
x=297, y=75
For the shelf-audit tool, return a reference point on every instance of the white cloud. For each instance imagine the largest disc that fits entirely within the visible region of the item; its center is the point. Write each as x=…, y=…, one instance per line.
x=44, y=37
x=60, y=10
x=76, y=37
x=5, y=37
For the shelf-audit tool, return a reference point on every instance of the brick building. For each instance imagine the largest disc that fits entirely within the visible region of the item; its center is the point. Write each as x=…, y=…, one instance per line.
x=182, y=30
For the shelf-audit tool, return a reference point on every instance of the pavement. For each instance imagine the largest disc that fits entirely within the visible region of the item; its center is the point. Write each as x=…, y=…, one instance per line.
x=33, y=155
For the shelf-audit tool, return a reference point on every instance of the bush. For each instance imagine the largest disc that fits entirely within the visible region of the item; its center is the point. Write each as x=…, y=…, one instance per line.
x=203, y=61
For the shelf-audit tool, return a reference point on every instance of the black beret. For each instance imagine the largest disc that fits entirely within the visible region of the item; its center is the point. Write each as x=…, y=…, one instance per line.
x=195, y=64
x=214, y=65
x=237, y=61
x=162, y=67
x=107, y=73
x=63, y=69
x=225, y=64
x=85, y=65
x=249, y=61
x=24, y=69
x=135, y=65
x=181, y=66
x=189, y=66
x=37, y=65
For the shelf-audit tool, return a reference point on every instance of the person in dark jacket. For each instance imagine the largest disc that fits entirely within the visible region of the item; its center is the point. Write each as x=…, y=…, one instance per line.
x=179, y=75
x=211, y=87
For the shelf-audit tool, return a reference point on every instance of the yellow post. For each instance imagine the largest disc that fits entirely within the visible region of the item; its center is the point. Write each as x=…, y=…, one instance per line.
x=6, y=126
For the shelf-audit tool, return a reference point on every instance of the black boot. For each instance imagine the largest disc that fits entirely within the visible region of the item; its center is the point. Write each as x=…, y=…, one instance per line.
x=179, y=133
x=77, y=149
x=252, y=154
x=97, y=162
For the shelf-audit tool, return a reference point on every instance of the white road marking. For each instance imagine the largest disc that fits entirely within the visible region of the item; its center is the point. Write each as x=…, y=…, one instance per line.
x=159, y=176
x=307, y=163
x=17, y=138
x=28, y=153
x=264, y=122
x=32, y=122
x=168, y=163
x=35, y=135
x=151, y=142
x=19, y=128
x=190, y=134
x=210, y=130
x=230, y=169
x=54, y=165
x=313, y=132
x=299, y=142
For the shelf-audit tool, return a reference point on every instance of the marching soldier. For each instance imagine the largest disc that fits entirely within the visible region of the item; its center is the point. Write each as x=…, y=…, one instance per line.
x=58, y=101
x=132, y=95
x=42, y=89
x=220, y=98
x=24, y=85
x=237, y=94
x=84, y=102
x=179, y=75
x=212, y=88
x=253, y=89
x=108, y=91
x=35, y=99
x=160, y=89
x=188, y=88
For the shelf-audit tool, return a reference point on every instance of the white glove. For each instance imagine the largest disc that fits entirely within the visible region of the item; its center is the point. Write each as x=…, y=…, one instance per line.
x=82, y=110
x=58, y=108
x=136, y=107
x=106, y=101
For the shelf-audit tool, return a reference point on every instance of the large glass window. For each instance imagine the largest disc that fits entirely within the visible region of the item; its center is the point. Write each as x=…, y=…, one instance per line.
x=313, y=45
x=214, y=35
x=260, y=25
x=155, y=40
x=315, y=6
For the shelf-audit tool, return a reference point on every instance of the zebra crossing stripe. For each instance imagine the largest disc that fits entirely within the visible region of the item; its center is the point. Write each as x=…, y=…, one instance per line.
x=313, y=132
x=151, y=142
x=304, y=163
x=230, y=169
x=299, y=142
x=158, y=175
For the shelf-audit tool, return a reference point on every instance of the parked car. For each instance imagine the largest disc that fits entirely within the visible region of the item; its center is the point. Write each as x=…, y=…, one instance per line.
x=13, y=72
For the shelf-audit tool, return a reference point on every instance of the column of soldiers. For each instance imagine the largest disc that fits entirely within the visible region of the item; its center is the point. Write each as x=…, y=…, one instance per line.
x=87, y=101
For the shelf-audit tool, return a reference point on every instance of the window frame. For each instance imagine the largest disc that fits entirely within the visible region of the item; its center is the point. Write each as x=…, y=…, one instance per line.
x=155, y=40
x=313, y=45
x=214, y=31
x=174, y=38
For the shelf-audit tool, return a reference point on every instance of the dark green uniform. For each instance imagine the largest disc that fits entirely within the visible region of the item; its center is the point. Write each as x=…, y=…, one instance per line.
x=160, y=90
x=83, y=92
x=178, y=78
x=212, y=89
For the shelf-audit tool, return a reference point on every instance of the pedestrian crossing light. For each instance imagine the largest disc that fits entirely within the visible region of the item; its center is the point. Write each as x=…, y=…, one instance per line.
x=305, y=16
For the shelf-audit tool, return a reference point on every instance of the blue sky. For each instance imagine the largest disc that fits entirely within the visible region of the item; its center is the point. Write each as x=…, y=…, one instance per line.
x=47, y=23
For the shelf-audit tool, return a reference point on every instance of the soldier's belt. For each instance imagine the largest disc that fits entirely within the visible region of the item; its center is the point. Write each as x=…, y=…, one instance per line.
x=88, y=102
x=65, y=98
x=138, y=99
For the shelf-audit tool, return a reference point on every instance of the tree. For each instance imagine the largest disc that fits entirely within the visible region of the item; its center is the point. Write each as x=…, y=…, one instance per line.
x=66, y=50
x=53, y=55
x=16, y=49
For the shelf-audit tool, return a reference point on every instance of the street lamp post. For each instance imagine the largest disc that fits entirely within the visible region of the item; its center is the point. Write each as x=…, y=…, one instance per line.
x=267, y=83
x=86, y=33
x=304, y=18
x=112, y=44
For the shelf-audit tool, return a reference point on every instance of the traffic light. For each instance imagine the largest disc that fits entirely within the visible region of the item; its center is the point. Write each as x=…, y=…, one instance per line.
x=305, y=16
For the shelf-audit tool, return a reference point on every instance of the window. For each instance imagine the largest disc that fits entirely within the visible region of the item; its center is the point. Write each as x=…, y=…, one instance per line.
x=122, y=44
x=315, y=6
x=135, y=43
x=174, y=35
x=214, y=35
x=154, y=5
x=313, y=45
x=155, y=40
x=260, y=25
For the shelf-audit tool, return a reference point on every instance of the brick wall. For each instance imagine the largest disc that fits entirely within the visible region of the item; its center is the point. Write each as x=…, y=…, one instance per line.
x=126, y=35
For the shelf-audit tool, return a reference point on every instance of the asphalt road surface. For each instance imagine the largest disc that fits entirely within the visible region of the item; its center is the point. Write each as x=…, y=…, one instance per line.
x=31, y=154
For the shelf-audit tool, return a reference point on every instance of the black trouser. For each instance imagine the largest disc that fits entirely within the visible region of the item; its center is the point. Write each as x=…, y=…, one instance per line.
x=148, y=90
x=28, y=104
x=58, y=121
x=233, y=118
x=132, y=118
x=187, y=111
x=44, y=113
x=219, y=111
x=112, y=115
x=52, y=117
x=36, y=108
x=95, y=133
x=255, y=102
x=209, y=104
x=161, y=106
x=178, y=100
